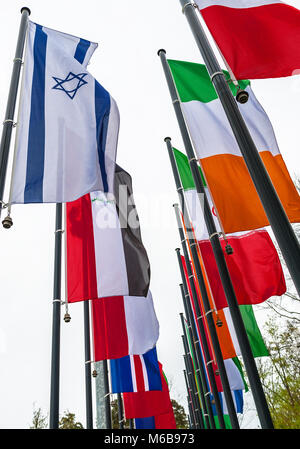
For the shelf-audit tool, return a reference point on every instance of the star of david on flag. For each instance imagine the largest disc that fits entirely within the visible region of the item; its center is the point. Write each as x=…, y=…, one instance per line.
x=68, y=85
x=64, y=149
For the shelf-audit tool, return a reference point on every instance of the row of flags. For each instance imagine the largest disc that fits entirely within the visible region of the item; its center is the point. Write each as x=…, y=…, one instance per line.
x=65, y=152
x=240, y=220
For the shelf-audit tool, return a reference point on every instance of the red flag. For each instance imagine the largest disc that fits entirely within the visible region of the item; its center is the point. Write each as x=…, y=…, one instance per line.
x=148, y=403
x=165, y=421
x=254, y=268
x=258, y=38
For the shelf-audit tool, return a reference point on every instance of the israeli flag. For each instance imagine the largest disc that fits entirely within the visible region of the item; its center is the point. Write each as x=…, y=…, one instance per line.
x=68, y=124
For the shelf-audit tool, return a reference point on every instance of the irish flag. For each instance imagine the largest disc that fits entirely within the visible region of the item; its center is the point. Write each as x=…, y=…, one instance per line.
x=225, y=171
x=258, y=38
x=254, y=266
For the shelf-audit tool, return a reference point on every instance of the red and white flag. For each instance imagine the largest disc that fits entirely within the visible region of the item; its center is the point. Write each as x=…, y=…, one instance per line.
x=123, y=325
x=105, y=255
x=258, y=38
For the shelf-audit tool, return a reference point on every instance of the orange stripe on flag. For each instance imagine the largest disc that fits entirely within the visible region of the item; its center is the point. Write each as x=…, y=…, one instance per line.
x=226, y=344
x=235, y=196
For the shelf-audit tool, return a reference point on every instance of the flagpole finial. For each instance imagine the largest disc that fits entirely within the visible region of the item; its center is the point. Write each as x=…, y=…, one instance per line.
x=67, y=317
x=25, y=8
x=242, y=96
x=161, y=49
x=7, y=222
x=177, y=250
x=167, y=138
x=175, y=205
x=228, y=249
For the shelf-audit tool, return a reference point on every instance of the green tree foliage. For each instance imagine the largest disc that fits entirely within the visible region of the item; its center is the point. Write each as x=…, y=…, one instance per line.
x=115, y=417
x=39, y=420
x=280, y=373
x=68, y=421
x=180, y=415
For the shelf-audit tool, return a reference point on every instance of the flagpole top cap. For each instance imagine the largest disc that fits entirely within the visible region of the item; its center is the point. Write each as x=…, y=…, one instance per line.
x=25, y=8
x=161, y=49
x=167, y=138
x=175, y=205
x=177, y=250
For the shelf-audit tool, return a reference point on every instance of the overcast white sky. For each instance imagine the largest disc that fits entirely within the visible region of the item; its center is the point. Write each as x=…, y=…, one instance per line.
x=129, y=34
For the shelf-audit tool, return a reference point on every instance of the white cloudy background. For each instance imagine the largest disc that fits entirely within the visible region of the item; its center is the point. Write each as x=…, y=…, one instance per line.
x=129, y=33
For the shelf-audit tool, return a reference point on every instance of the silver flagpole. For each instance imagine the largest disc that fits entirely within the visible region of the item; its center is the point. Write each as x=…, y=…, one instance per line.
x=8, y=122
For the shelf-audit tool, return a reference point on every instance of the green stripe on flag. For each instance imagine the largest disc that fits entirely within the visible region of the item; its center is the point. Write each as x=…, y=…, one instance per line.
x=193, y=81
x=226, y=420
x=185, y=173
x=256, y=341
x=238, y=364
x=165, y=377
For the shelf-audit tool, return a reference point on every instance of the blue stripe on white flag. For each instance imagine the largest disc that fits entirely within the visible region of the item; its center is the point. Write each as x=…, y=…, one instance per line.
x=81, y=50
x=151, y=364
x=239, y=400
x=102, y=109
x=33, y=192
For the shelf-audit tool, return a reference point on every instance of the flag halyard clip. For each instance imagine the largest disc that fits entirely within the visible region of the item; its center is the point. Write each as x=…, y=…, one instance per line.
x=214, y=234
x=215, y=74
x=3, y=204
x=209, y=311
x=9, y=120
x=188, y=4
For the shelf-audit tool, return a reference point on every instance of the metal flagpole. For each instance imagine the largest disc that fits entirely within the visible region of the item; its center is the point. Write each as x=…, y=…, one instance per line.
x=8, y=123
x=199, y=423
x=107, y=395
x=205, y=393
x=120, y=411
x=192, y=420
x=88, y=379
x=207, y=308
x=100, y=399
x=55, y=360
x=191, y=378
x=256, y=387
x=199, y=388
x=212, y=331
x=277, y=217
